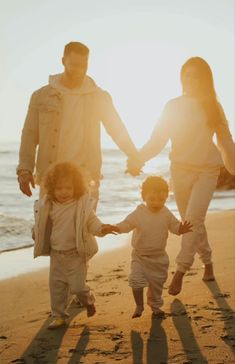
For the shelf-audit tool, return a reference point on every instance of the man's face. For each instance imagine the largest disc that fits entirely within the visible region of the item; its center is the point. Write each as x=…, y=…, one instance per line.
x=75, y=67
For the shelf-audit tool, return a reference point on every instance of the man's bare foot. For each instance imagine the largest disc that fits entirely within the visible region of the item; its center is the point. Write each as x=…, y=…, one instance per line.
x=176, y=283
x=90, y=310
x=138, y=311
x=208, y=273
x=158, y=313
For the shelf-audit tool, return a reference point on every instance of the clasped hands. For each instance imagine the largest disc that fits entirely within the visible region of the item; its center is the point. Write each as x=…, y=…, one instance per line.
x=134, y=166
x=109, y=229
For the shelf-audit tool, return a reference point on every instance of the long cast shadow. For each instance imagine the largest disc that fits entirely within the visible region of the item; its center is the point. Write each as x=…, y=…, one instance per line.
x=226, y=310
x=45, y=345
x=184, y=328
x=79, y=351
x=157, y=348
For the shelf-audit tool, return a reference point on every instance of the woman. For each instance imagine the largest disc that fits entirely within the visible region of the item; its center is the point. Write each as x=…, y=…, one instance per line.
x=190, y=122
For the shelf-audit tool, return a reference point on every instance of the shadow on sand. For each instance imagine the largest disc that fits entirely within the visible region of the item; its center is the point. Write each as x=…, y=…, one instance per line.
x=157, y=349
x=44, y=346
x=183, y=326
x=227, y=314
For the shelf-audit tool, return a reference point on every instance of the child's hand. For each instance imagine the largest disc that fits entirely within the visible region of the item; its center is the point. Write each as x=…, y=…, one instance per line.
x=109, y=229
x=185, y=227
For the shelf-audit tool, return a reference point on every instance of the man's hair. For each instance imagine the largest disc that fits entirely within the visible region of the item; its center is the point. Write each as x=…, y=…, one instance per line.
x=67, y=171
x=154, y=183
x=76, y=47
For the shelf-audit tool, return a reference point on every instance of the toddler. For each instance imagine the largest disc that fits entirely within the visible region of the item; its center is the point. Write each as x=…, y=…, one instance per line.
x=150, y=222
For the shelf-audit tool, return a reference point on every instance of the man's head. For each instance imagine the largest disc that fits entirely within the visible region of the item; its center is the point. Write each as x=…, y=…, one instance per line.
x=75, y=61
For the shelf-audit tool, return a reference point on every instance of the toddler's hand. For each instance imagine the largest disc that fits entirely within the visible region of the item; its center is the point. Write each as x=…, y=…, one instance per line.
x=109, y=229
x=185, y=227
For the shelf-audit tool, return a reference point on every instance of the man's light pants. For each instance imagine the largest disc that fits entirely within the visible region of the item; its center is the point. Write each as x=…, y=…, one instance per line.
x=193, y=192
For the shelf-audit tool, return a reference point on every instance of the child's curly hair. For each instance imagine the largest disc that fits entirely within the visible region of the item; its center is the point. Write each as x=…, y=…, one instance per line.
x=154, y=183
x=65, y=170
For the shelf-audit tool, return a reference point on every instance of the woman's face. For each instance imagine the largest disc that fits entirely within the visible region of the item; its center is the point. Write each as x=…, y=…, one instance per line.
x=191, y=81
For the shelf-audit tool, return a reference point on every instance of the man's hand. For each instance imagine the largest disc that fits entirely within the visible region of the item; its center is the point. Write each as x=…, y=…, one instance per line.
x=134, y=166
x=109, y=229
x=26, y=179
x=185, y=227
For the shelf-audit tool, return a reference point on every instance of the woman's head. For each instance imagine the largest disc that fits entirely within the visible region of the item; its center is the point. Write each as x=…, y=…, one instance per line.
x=196, y=78
x=197, y=81
x=64, y=182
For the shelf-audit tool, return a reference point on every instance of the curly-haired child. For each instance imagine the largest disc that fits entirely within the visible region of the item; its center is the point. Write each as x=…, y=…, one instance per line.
x=65, y=225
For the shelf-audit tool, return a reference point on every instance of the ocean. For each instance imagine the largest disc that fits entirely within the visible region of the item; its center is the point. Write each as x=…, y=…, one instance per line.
x=119, y=194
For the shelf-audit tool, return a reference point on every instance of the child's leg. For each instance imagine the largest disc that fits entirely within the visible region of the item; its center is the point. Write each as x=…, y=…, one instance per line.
x=137, y=282
x=76, y=275
x=138, y=295
x=58, y=287
x=156, y=271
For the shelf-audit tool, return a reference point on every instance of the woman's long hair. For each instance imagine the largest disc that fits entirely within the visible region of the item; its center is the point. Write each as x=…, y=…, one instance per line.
x=206, y=94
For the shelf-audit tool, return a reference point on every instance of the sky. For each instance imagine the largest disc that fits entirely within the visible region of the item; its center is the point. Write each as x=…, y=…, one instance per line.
x=137, y=48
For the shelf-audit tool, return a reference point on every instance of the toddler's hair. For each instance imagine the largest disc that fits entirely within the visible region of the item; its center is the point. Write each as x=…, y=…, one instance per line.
x=154, y=183
x=67, y=171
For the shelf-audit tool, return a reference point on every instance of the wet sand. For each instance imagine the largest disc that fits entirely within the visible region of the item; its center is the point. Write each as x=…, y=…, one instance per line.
x=199, y=326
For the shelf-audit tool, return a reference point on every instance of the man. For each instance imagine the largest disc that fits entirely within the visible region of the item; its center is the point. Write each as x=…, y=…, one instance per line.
x=63, y=123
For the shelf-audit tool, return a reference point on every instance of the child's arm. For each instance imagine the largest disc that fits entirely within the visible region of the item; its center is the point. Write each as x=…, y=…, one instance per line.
x=177, y=227
x=125, y=226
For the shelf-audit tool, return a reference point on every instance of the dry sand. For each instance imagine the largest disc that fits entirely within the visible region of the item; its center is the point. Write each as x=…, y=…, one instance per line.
x=199, y=326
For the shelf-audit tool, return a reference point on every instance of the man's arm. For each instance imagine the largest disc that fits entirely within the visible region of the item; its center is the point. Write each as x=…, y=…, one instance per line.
x=29, y=142
x=116, y=129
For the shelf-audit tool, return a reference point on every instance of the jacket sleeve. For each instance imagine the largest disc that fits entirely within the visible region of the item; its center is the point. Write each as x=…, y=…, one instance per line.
x=29, y=137
x=225, y=143
x=94, y=224
x=159, y=137
x=115, y=127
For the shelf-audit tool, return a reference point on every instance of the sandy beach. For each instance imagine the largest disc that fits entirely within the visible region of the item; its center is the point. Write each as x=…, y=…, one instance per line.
x=199, y=326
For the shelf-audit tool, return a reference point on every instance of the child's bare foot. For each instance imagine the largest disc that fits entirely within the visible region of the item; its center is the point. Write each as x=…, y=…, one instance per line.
x=138, y=311
x=176, y=283
x=208, y=273
x=90, y=310
x=158, y=313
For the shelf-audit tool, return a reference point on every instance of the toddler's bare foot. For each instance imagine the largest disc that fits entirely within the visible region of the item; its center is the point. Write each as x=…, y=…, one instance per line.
x=90, y=310
x=176, y=283
x=158, y=313
x=208, y=273
x=138, y=311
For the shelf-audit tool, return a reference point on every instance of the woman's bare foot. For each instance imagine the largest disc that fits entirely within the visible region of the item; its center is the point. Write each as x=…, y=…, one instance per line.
x=208, y=273
x=90, y=310
x=138, y=311
x=176, y=283
x=158, y=313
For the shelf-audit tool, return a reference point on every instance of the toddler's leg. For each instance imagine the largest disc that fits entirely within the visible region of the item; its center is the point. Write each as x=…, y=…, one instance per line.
x=138, y=295
x=137, y=282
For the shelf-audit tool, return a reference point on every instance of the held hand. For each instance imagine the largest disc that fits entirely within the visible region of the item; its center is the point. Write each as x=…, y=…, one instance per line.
x=25, y=180
x=109, y=229
x=133, y=167
x=185, y=227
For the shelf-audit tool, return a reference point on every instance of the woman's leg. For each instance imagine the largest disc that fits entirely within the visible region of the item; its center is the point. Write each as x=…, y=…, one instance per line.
x=199, y=195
